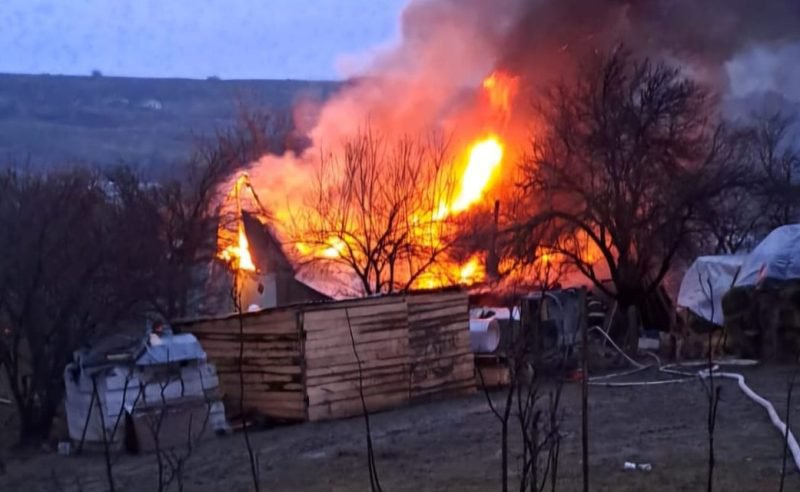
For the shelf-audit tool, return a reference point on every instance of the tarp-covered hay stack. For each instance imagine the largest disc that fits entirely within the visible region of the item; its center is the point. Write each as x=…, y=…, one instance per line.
x=299, y=361
x=755, y=296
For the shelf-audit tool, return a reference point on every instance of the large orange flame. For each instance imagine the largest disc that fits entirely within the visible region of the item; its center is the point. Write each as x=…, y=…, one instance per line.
x=484, y=159
x=472, y=271
x=234, y=248
x=479, y=169
x=238, y=255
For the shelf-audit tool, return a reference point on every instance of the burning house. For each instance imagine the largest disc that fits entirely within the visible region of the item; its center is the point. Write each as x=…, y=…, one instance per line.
x=413, y=166
x=467, y=72
x=265, y=275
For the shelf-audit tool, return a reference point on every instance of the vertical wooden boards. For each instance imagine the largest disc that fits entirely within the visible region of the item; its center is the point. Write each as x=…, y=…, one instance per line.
x=442, y=362
x=299, y=362
x=335, y=377
x=271, y=363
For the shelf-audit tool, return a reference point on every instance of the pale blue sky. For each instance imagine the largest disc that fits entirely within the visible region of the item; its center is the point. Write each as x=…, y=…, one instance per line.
x=192, y=38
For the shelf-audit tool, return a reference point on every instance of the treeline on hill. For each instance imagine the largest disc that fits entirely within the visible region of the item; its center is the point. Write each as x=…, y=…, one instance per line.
x=635, y=159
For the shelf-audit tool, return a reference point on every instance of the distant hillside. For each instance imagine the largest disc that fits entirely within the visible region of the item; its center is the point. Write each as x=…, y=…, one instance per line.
x=154, y=122
x=149, y=122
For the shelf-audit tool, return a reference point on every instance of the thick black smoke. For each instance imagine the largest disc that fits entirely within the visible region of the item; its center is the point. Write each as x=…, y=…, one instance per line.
x=705, y=34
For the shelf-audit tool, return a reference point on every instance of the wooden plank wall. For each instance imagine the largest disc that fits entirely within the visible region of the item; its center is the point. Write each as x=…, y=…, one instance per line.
x=380, y=330
x=272, y=361
x=299, y=362
x=442, y=363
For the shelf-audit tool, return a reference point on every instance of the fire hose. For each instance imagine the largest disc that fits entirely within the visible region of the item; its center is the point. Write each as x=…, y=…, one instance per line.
x=705, y=373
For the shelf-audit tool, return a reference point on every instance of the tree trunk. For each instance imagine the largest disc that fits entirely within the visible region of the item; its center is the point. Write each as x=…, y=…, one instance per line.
x=36, y=421
x=34, y=427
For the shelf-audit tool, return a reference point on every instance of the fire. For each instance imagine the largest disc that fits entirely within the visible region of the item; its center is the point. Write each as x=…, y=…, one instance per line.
x=335, y=249
x=331, y=249
x=471, y=271
x=477, y=167
x=485, y=157
x=238, y=255
x=445, y=273
x=500, y=88
x=234, y=248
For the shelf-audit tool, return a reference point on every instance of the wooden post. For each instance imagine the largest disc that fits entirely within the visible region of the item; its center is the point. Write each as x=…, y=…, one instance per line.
x=584, y=387
x=492, y=259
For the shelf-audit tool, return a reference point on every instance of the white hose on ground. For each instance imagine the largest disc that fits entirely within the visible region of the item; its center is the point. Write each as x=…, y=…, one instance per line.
x=613, y=344
x=638, y=367
x=786, y=433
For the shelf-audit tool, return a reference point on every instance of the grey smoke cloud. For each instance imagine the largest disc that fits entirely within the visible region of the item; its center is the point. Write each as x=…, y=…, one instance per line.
x=766, y=69
x=705, y=33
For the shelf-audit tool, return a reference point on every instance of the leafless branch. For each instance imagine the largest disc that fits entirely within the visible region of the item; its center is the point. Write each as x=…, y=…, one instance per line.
x=630, y=155
x=236, y=295
x=713, y=391
x=374, y=481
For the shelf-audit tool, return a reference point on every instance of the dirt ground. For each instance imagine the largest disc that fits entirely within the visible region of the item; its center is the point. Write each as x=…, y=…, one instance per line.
x=454, y=445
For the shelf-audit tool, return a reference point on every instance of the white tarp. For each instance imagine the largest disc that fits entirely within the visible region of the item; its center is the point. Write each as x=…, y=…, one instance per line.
x=171, y=348
x=695, y=293
x=777, y=257
x=123, y=385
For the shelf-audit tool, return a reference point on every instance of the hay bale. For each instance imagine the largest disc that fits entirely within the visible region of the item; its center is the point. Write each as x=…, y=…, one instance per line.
x=784, y=332
x=739, y=309
x=764, y=323
x=695, y=336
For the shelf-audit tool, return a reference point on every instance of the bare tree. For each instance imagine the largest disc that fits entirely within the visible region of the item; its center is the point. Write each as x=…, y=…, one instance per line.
x=375, y=210
x=777, y=160
x=58, y=283
x=108, y=435
x=372, y=467
x=628, y=158
x=734, y=220
x=84, y=249
x=767, y=196
x=524, y=399
x=171, y=458
x=713, y=390
x=173, y=221
x=252, y=455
